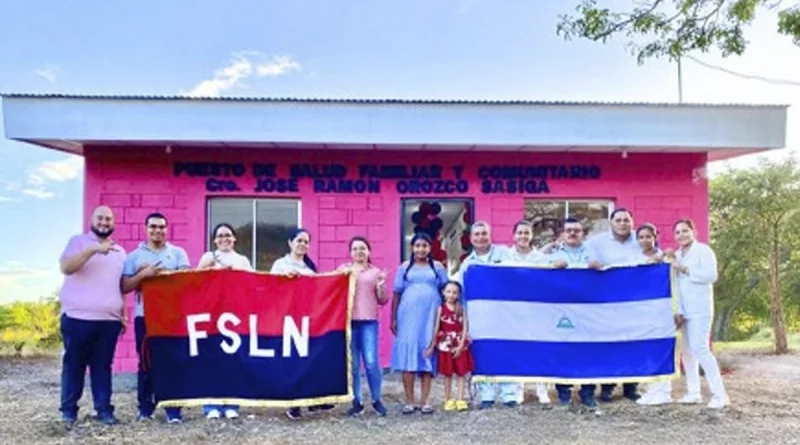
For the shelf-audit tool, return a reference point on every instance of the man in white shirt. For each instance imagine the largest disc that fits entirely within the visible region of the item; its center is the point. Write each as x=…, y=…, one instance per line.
x=616, y=248
x=484, y=252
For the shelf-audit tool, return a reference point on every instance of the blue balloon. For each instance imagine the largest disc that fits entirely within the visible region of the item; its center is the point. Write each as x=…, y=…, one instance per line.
x=415, y=217
x=437, y=224
x=436, y=208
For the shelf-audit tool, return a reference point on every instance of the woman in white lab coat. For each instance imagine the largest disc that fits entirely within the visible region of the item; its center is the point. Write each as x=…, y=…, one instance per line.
x=696, y=270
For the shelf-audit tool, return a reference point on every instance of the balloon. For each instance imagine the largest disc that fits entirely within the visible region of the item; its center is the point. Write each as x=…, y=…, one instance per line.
x=424, y=223
x=436, y=208
x=440, y=256
x=419, y=229
x=425, y=208
x=415, y=217
x=437, y=223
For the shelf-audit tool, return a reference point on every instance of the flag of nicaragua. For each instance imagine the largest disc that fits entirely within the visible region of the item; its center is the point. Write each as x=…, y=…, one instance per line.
x=571, y=325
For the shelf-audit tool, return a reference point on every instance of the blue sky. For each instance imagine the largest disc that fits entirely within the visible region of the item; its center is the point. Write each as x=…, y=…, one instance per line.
x=462, y=49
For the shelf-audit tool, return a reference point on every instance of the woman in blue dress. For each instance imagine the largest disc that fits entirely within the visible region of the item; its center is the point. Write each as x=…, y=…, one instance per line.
x=417, y=296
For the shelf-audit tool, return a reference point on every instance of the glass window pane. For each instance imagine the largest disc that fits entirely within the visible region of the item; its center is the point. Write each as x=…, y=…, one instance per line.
x=455, y=218
x=238, y=213
x=275, y=220
x=593, y=215
x=547, y=218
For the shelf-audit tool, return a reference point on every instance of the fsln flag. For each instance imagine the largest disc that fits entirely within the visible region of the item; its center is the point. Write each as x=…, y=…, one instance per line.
x=571, y=325
x=247, y=338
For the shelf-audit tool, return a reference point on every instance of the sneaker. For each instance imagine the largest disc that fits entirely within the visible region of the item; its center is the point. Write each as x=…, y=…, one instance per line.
x=294, y=413
x=717, y=402
x=106, y=419
x=174, y=420
x=213, y=414
x=144, y=417
x=462, y=405
x=487, y=405
x=231, y=414
x=606, y=396
x=652, y=399
x=690, y=399
x=450, y=405
x=564, y=402
x=356, y=410
x=379, y=408
x=511, y=404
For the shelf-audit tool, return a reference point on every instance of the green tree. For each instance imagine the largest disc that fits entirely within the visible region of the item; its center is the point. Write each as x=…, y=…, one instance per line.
x=31, y=323
x=672, y=28
x=754, y=213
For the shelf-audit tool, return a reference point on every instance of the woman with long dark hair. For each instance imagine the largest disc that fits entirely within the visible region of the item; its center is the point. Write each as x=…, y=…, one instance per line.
x=417, y=297
x=297, y=262
x=370, y=293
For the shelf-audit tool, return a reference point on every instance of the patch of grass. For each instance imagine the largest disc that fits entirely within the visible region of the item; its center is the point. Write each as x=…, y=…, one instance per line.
x=763, y=341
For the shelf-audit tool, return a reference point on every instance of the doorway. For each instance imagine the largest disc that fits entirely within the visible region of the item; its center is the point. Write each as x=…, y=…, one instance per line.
x=446, y=220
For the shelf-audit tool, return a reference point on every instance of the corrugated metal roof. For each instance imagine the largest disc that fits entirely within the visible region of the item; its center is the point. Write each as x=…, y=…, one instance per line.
x=378, y=101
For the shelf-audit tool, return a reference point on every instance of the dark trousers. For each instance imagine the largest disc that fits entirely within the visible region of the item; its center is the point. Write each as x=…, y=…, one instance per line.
x=144, y=387
x=627, y=388
x=585, y=393
x=87, y=343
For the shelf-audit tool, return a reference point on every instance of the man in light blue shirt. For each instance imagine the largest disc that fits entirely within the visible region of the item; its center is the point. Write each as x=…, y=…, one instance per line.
x=573, y=253
x=616, y=248
x=484, y=252
x=152, y=256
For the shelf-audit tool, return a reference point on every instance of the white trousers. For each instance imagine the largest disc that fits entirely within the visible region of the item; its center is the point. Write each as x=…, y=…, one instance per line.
x=509, y=392
x=696, y=352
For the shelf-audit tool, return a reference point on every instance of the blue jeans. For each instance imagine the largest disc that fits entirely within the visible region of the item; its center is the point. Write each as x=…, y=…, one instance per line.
x=509, y=391
x=585, y=393
x=364, y=344
x=87, y=343
x=144, y=387
x=627, y=388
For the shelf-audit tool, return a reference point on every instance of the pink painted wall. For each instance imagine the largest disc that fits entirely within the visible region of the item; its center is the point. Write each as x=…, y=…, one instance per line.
x=659, y=188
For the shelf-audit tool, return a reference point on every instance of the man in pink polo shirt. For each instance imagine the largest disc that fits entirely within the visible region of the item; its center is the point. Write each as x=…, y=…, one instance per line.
x=92, y=316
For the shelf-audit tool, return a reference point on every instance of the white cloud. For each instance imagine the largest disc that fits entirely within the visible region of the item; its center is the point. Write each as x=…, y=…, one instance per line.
x=49, y=172
x=20, y=282
x=243, y=65
x=7, y=199
x=38, y=193
x=50, y=73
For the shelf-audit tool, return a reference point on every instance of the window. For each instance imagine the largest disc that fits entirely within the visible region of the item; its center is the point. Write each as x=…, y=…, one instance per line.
x=447, y=221
x=548, y=216
x=262, y=226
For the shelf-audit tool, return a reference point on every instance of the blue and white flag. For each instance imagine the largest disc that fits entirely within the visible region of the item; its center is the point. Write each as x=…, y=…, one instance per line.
x=571, y=325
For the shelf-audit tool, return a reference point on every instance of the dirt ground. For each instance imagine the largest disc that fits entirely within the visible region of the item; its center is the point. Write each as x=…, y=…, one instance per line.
x=764, y=390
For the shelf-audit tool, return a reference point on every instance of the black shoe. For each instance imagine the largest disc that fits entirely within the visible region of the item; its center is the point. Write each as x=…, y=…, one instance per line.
x=69, y=421
x=106, y=419
x=318, y=408
x=632, y=395
x=379, y=408
x=294, y=413
x=356, y=410
x=605, y=396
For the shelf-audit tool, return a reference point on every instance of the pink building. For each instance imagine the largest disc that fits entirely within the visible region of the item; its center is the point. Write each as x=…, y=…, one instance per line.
x=349, y=167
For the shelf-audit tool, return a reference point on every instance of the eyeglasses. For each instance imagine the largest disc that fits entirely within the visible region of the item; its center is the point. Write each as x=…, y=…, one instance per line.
x=573, y=230
x=224, y=235
x=157, y=226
